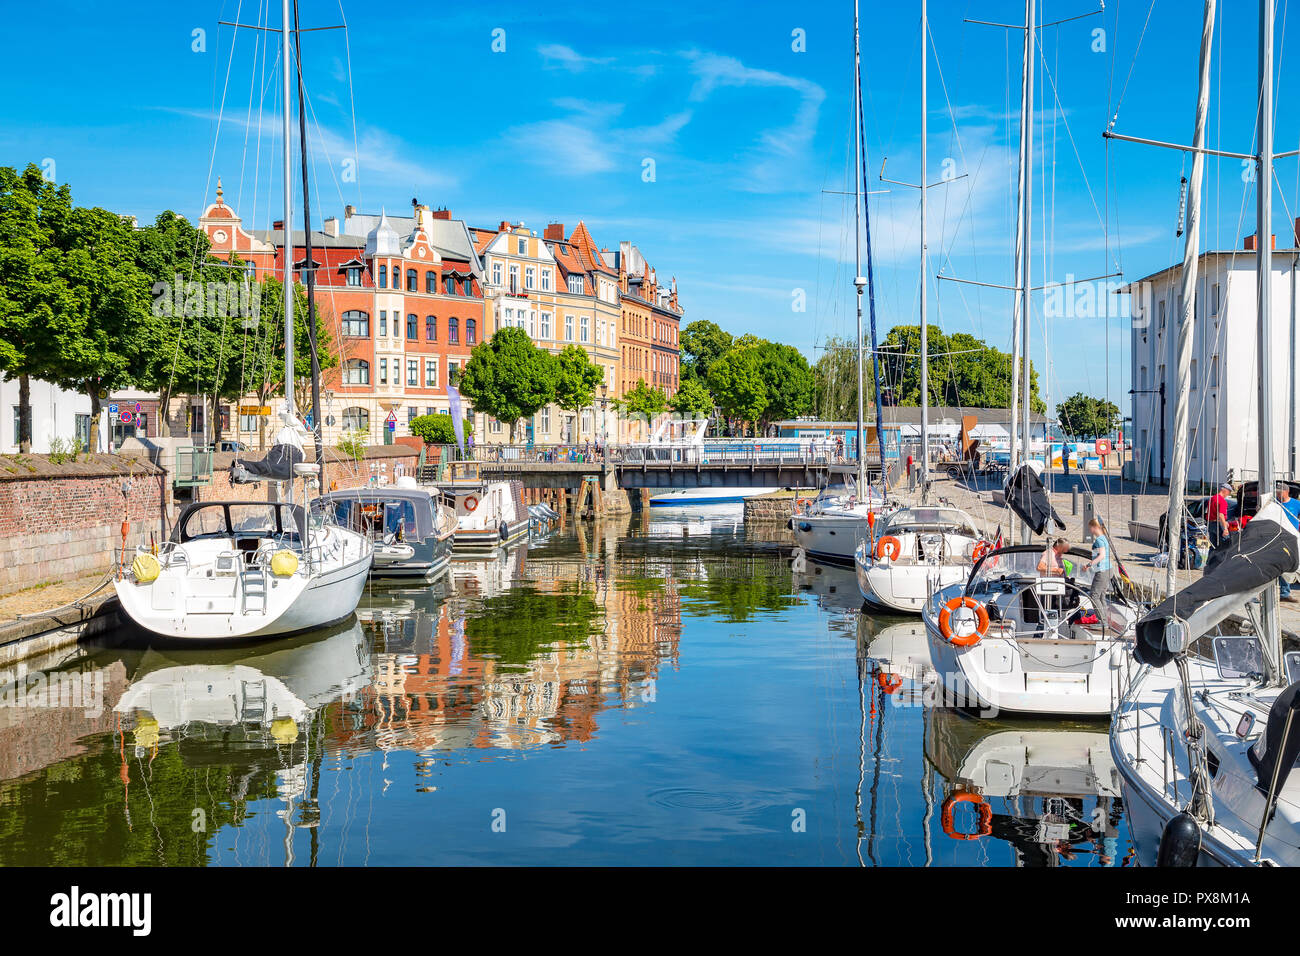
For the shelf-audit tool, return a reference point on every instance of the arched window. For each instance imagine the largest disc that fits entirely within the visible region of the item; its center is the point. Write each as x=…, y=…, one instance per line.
x=471, y=331
x=413, y=327
x=453, y=331
x=431, y=282
x=431, y=328
x=356, y=324
x=412, y=281
x=356, y=418
x=383, y=277
x=356, y=372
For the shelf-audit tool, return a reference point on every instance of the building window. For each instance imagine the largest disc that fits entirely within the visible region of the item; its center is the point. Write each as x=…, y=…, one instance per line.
x=453, y=330
x=568, y=328
x=496, y=273
x=453, y=373
x=353, y=275
x=1214, y=371
x=355, y=419
x=529, y=274
x=411, y=412
x=576, y=285
x=1195, y=384
x=383, y=371
x=449, y=284
x=494, y=426
x=430, y=373
x=1162, y=315
x=412, y=371
x=431, y=283
x=412, y=280
x=356, y=324
x=1142, y=377
x=522, y=246
x=1191, y=440
x=383, y=322
x=471, y=331
x=586, y=329
x=383, y=277
x=412, y=327
x=1214, y=300
x=546, y=325
x=514, y=278
x=431, y=328
x=356, y=372
x=248, y=423
x=546, y=280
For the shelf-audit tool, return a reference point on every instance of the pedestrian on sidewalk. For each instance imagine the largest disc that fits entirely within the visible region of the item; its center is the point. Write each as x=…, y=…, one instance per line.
x=1216, y=514
x=1282, y=491
x=1102, y=565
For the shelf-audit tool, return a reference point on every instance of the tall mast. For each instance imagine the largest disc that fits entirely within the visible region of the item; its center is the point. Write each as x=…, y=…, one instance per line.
x=1264, y=286
x=286, y=172
x=858, y=280
x=925, y=337
x=1187, y=321
x=1020, y=331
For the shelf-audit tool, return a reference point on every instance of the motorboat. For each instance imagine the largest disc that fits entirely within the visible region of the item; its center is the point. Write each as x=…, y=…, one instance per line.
x=830, y=526
x=915, y=552
x=1009, y=640
x=410, y=528
x=489, y=513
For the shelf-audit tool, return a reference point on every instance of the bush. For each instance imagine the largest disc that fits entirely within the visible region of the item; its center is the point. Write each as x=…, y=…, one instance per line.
x=353, y=443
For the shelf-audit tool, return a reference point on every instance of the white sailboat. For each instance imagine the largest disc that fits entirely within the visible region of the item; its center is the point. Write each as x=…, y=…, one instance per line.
x=917, y=551
x=1204, y=746
x=240, y=569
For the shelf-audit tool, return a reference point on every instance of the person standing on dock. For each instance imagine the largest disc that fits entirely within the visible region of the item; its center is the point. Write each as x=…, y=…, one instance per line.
x=1216, y=514
x=1282, y=491
x=1102, y=566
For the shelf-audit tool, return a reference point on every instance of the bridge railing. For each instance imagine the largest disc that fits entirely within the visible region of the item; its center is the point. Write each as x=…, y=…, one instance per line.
x=716, y=452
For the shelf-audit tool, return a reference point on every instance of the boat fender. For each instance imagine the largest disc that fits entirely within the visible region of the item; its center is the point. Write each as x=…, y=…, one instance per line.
x=1180, y=842
x=284, y=563
x=984, y=825
x=805, y=527
x=890, y=544
x=504, y=531
x=981, y=622
x=146, y=568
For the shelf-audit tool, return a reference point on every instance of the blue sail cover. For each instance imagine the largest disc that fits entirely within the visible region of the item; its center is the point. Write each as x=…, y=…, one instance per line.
x=1238, y=570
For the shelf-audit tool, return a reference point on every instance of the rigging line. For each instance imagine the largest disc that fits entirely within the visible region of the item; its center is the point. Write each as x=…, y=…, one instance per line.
x=248, y=117
x=356, y=151
x=1133, y=62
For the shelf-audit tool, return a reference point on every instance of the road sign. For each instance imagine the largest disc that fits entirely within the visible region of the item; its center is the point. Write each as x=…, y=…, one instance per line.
x=112, y=409
x=391, y=420
x=125, y=417
x=255, y=409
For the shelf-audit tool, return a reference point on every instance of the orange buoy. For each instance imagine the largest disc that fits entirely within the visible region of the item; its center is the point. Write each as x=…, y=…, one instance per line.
x=891, y=544
x=981, y=622
x=889, y=683
x=984, y=825
x=471, y=502
x=979, y=551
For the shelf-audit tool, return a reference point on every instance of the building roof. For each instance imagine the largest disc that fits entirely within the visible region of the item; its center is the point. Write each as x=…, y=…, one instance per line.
x=911, y=415
x=1281, y=263
x=448, y=236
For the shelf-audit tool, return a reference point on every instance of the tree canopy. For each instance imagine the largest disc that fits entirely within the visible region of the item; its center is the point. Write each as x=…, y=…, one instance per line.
x=1082, y=416
x=437, y=429
x=972, y=374
x=508, y=377
x=692, y=399
x=576, y=379
x=702, y=343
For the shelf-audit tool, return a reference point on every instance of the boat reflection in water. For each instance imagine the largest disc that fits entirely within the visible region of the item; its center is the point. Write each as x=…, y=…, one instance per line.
x=898, y=646
x=836, y=587
x=1049, y=790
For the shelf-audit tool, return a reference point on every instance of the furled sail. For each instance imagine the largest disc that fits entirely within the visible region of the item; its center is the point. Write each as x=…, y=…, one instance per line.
x=1026, y=496
x=1237, y=571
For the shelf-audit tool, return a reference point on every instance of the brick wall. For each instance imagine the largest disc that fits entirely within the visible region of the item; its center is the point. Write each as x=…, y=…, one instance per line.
x=65, y=521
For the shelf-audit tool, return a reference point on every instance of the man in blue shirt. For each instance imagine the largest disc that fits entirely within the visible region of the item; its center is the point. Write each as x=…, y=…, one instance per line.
x=1282, y=491
x=1102, y=564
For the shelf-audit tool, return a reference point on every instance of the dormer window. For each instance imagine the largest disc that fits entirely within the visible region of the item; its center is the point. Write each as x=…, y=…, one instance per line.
x=576, y=285
x=522, y=246
x=354, y=275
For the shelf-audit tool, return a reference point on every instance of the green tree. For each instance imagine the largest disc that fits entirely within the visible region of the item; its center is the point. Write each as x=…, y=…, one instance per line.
x=702, y=343
x=788, y=379
x=642, y=403
x=437, y=429
x=738, y=386
x=964, y=370
x=835, y=382
x=576, y=379
x=509, y=378
x=1082, y=416
x=692, y=399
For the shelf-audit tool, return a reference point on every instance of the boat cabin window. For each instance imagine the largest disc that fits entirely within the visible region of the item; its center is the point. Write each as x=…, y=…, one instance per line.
x=377, y=517
x=928, y=519
x=254, y=519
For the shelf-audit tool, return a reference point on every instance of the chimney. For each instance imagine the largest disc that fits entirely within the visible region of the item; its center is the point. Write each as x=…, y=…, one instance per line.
x=504, y=227
x=554, y=231
x=278, y=225
x=441, y=214
x=1250, y=241
x=331, y=227
x=349, y=211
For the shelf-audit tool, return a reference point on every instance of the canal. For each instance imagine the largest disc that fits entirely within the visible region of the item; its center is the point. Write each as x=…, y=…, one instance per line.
x=658, y=689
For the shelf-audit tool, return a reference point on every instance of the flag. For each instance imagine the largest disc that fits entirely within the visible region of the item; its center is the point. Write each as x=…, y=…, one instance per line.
x=457, y=421
x=998, y=543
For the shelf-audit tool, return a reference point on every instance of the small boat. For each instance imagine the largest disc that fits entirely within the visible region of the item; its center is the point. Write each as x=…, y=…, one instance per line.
x=411, y=528
x=914, y=552
x=831, y=526
x=717, y=495
x=1010, y=640
x=489, y=514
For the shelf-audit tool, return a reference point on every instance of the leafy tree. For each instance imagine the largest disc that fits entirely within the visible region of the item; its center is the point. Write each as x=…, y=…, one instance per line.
x=692, y=399
x=972, y=374
x=789, y=381
x=1082, y=416
x=437, y=429
x=509, y=378
x=576, y=379
x=835, y=382
x=737, y=383
x=702, y=343
x=642, y=403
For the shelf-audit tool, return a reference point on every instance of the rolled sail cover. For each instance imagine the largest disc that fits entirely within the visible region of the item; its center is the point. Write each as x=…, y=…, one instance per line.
x=1236, y=571
x=1027, y=497
x=276, y=466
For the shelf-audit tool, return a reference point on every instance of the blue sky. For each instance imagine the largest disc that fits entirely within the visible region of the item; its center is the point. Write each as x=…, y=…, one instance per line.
x=747, y=136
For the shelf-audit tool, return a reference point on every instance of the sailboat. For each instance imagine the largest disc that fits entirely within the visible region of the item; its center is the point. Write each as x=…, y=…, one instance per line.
x=832, y=525
x=246, y=569
x=1205, y=745
x=918, y=550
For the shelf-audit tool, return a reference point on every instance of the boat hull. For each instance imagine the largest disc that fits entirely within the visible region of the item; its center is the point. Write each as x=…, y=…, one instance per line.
x=705, y=496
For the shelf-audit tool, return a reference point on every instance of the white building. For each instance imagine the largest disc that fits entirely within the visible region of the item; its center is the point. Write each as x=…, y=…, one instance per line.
x=56, y=413
x=1224, y=394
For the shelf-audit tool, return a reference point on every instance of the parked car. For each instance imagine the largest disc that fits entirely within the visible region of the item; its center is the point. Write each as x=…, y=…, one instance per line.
x=228, y=445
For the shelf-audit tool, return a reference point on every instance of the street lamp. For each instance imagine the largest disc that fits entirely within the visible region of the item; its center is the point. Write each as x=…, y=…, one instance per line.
x=604, y=411
x=1161, y=392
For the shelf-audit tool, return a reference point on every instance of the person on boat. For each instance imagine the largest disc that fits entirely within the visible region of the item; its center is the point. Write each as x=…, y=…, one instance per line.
x=1216, y=514
x=1102, y=565
x=1049, y=565
x=1282, y=491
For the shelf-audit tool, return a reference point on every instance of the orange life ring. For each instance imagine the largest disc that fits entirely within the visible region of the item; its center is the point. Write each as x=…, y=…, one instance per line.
x=981, y=622
x=983, y=828
x=891, y=544
x=979, y=551
x=889, y=683
x=801, y=505
x=471, y=502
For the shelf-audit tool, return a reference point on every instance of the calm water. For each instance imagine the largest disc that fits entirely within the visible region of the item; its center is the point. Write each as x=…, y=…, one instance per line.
x=661, y=690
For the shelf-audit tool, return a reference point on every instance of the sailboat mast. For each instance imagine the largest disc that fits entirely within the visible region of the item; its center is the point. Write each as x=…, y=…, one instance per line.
x=858, y=281
x=1020, y=365
x=925, y=338
x=286, y=176
x=1264, y=286
x=1187, y=321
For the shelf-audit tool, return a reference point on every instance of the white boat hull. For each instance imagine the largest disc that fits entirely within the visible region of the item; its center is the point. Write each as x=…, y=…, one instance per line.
x=904, y=589
x=705, y=496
